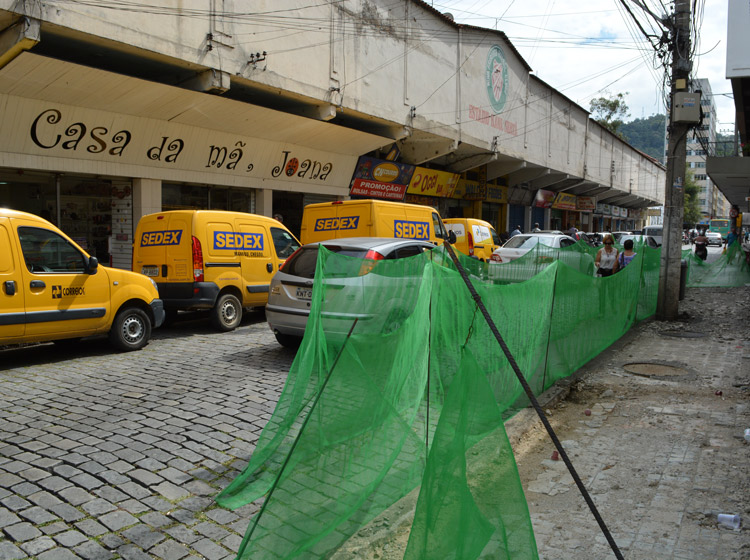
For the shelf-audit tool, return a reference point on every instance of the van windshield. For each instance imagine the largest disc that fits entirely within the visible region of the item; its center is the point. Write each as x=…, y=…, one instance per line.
x=437, y=223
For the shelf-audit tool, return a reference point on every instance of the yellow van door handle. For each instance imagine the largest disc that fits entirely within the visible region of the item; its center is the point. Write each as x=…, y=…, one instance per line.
x=269, y=267
x=10, y=287
x=37, y=284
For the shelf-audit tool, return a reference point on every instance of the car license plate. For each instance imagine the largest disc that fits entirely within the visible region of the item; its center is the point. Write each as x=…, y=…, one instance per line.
x=304, y=293
x=150, y=271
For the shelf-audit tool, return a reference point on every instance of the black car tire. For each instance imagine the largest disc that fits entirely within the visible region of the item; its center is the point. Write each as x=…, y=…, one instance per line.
x=227, y=313
x=130, y=330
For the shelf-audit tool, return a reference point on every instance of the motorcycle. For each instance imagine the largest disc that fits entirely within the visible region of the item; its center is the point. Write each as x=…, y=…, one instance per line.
x=701, y=250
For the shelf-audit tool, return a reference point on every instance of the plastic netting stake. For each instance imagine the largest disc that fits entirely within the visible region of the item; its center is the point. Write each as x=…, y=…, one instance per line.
x=534, y=402
x=296, y=439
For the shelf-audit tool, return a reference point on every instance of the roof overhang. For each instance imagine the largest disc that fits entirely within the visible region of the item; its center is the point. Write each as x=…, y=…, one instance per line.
x=732, y=177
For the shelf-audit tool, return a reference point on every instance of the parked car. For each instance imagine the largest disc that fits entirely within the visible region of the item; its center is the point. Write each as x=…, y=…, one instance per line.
x=714, y=238
x=291, y=290
x=618, y=234
x=649, y=240
x=519, y=245
x=596, y=238
x=583, y=236
x=657, y=232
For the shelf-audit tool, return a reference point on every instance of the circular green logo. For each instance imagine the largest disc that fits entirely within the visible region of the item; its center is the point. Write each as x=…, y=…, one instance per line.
x=496, y=78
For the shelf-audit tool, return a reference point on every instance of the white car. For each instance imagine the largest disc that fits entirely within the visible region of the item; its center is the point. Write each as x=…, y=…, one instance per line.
x=714, y=238
x=516, y=247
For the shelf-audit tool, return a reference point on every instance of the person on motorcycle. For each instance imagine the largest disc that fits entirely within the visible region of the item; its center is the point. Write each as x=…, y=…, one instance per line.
x=701, y=246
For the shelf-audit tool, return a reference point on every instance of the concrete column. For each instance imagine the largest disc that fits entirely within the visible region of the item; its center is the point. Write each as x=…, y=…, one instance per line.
x=264, y=202
x=146, y=197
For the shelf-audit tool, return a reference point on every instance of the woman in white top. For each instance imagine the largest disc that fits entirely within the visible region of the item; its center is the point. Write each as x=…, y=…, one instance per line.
x=606, y=257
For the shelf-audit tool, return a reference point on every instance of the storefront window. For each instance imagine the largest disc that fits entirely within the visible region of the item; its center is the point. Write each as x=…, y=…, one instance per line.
x=200, y=197
x=86, y=214
x=29, y=192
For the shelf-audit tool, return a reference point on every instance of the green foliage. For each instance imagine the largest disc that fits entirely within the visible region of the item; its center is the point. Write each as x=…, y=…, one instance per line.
x=610, y=112
x=647, y=135
x=691, y=213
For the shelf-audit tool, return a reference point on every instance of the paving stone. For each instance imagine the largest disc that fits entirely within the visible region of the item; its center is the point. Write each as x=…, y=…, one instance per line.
x=183, y=534
x=21, y=532
x=171, y=492
x=92, y=551
x=7, y=479
x=54, y=528
x=145, y=477
x=37, y=546
x=76, y=496
x=113, y=477
x=158, y=503
x=155, y=519
x=91, y=528
x=117, y=520
x=58, y=554
x=111, y=494
x=222, y=516
x=211, y=530
x=170, y=550
x=34, y=474
x=67, y=512
x=175, y=476
x=71, y=538
x=210, y=550
x=111, y=541
x=98, y=507
x=135, y=490
x=143, y=536
x=133, y=552
x=200, y=488
x=7, y=517
x=27, y=488
x=37, y=515
x=86, y=481
x=66, y=471
x=55, y=483
x=9, y=551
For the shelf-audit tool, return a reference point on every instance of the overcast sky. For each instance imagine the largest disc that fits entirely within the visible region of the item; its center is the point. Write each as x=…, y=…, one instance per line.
x=592, y=48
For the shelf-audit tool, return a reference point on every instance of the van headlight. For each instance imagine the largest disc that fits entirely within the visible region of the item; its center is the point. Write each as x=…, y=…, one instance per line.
x=154, y=284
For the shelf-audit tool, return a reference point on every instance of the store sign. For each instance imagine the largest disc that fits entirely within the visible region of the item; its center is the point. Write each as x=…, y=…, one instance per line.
x=603, y=209
x=470, y=190
x=377, y=178
x=34, y=127
x=497, y=193
x=544, y=199
x=616, y=211
x=585, y=203
x=432, y=182
x=564, y=201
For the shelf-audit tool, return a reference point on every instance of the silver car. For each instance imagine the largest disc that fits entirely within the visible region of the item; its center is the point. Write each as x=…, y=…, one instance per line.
x=714, y=238
x=290, y=294
x=519, y=245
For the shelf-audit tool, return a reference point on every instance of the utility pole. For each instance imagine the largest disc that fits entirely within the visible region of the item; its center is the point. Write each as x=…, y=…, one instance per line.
x=674, y=192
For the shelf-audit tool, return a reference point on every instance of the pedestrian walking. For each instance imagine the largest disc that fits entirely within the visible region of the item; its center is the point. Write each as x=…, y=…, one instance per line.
x=536, y=228
x=627, y=255
x=606, y=257
x=516, y=231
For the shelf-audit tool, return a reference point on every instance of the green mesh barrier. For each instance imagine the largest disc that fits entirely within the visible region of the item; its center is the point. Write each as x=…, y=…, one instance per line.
x=731, y=269
x=414, y=400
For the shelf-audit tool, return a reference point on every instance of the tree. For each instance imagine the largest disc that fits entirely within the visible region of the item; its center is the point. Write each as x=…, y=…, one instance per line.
x=610, y=111
x=692, y=213
x=647, y=135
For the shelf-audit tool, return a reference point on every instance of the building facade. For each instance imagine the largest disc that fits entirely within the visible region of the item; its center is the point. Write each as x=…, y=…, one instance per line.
x=110, y=113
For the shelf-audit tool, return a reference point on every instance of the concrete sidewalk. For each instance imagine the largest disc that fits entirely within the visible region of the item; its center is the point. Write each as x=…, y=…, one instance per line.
x=661, y=452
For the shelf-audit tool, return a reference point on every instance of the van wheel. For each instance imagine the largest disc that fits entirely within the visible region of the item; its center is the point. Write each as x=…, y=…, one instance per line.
x=288, y=340
x=130, y=330
x=227, y=313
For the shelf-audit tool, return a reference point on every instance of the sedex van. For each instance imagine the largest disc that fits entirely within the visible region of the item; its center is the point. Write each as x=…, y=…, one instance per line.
x=215, y=260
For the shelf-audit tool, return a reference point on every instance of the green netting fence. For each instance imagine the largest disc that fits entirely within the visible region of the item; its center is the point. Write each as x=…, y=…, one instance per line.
x=415, y=399
x=730, y=270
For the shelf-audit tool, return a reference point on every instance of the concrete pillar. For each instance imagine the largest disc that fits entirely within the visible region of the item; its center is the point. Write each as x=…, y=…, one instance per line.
x=264, y=202
x=146, y=197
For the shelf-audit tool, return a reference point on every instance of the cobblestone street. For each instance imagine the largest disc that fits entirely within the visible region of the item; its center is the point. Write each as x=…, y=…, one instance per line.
x=105, y=454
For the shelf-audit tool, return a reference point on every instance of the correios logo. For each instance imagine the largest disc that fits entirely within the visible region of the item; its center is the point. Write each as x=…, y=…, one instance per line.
x=496, y=78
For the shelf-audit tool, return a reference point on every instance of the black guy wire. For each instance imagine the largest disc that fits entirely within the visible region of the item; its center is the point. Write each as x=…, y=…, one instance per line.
x=534, y=402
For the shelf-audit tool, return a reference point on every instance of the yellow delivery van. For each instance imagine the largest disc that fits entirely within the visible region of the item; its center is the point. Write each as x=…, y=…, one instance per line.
x=52, y=290
x=371, y=218
x=211, y=259
x=474, y=237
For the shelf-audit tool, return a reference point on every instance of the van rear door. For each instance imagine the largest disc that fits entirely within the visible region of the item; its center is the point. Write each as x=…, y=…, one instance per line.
x=332, y=220
x=164, y=247
x=12, y=312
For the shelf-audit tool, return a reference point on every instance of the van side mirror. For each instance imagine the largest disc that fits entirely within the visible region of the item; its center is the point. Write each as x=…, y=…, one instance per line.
x=452, y=237
x=92, y=265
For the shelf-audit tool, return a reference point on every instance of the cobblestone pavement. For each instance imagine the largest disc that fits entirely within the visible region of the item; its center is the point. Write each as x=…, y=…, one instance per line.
x=108, y=455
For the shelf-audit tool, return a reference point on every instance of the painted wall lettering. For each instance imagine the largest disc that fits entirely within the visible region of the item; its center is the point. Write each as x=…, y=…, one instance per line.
x=218, y=155
x=44, y=133
x=173, y=150
x=292, y=166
